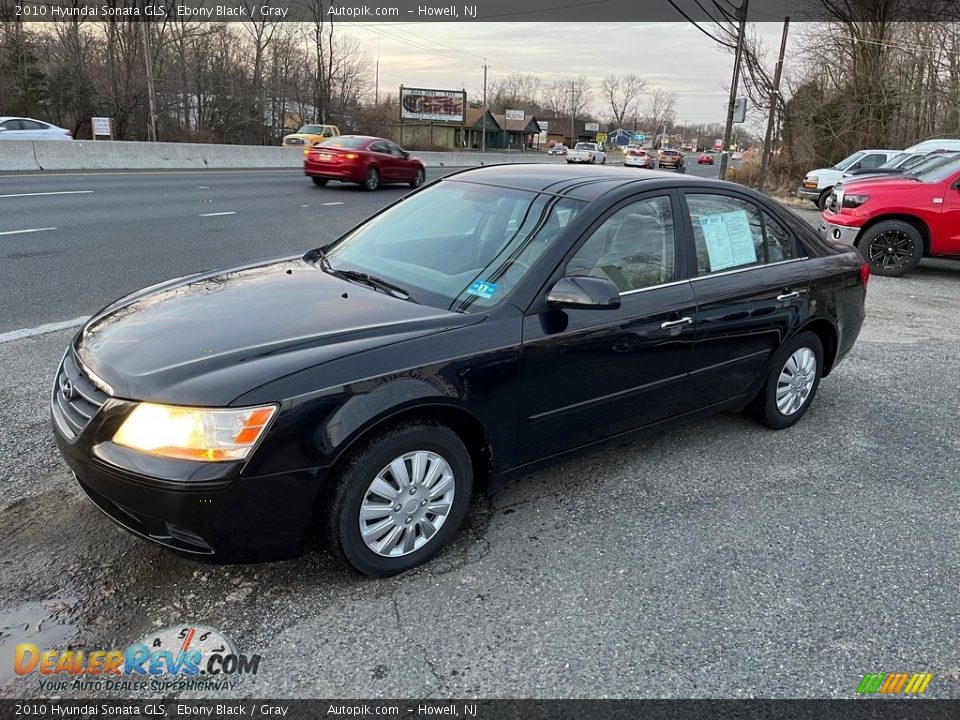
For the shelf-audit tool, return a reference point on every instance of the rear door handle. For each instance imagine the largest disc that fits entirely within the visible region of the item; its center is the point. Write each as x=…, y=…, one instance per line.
x=788, y=296
x=674, y=323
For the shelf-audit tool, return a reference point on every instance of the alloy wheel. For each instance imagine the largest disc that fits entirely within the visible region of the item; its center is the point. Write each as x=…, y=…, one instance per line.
x=407, y=503
x=891, y=250
x=796, y=380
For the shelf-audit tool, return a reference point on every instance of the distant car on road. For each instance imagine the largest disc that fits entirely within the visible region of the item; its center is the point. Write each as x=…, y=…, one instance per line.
x=705, y=159
x=558, y=149
x=587, y=152
x=310, y=135
x=367, y=161
x=670, y=158
x=20, y=128
x=637, y=157
x=501, y=317
x=897, y=219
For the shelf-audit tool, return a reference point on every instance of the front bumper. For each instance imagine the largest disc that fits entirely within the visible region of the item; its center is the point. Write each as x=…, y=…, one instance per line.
x=204, y=511
x=808, y=194
x=841, y=233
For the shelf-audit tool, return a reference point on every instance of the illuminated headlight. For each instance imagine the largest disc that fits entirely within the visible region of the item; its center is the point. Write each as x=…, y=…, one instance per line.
x=852, y=201
x=194, y=433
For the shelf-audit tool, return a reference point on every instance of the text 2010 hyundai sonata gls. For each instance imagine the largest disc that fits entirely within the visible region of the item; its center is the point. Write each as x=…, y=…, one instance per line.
x=495, y=319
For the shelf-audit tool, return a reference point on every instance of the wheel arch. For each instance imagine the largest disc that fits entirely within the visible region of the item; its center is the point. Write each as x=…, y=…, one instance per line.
x=826, y=330
x=913, y=220
x=468, y=427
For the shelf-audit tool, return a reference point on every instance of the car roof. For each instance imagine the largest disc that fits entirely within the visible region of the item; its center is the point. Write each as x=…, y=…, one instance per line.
x=583, y=183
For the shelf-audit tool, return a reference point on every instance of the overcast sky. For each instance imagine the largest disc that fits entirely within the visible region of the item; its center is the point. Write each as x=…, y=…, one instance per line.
x=673, y=56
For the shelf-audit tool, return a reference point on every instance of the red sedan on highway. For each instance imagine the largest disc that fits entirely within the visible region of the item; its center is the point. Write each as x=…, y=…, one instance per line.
x=367, y=161
x=705, y=159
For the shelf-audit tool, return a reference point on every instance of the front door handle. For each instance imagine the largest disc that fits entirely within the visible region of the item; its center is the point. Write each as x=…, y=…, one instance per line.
x=674, y=323
x=788, y=296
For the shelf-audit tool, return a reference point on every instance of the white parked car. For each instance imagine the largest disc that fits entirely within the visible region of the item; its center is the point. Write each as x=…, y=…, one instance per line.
x=18, y=128
x=587, y=152
x=817, y=184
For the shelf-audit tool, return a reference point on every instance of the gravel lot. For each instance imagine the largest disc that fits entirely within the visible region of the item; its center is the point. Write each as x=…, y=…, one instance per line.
x=719, y=559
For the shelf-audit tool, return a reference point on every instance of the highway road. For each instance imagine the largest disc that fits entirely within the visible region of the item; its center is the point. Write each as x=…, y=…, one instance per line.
x=72, y=242
x=718, y=559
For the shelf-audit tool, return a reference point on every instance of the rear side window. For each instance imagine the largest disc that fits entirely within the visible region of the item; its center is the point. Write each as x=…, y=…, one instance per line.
x=731, y=233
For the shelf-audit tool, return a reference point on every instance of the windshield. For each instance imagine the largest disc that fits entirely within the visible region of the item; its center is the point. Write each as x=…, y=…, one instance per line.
x=456, y=245
x=311, y=129
x=913, y=161
x=929, y=163
x=847, y=162
x=940, y=172
x=896, y=161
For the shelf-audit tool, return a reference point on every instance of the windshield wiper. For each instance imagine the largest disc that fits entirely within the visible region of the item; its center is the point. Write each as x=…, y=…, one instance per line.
x=374, y=282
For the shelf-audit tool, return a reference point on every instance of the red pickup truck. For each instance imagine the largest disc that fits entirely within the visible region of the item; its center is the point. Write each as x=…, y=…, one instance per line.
x=896, y=220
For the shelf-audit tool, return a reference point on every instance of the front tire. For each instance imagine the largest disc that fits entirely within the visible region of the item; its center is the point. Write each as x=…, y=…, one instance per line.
x=792, y=383
x=399, y=499
x=371, y=181
x=891, y=248
x=319, y=181
x=822, y=200
x=418, y=177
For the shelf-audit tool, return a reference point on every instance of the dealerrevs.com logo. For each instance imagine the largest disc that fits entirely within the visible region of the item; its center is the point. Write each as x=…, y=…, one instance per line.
x=174, y=658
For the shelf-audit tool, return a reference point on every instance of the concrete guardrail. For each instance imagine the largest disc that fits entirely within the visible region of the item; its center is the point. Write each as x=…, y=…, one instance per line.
x=16, y=155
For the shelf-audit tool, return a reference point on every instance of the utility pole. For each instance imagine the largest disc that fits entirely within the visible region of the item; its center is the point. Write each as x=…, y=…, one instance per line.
x=728, y=128
x=376, y=80
x=774, y=101
x=151, y=95
x=573, y=92
x=483, y=141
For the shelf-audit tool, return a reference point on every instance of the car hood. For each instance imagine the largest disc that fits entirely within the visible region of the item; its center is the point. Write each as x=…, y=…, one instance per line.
x=894, y=183
x=208, y=339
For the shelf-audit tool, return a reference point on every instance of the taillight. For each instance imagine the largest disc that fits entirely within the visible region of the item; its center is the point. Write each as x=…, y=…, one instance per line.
x=864, y=274
x=351, y=156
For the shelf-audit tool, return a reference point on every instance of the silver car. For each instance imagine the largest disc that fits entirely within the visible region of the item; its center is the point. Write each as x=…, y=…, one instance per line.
x=20, y=128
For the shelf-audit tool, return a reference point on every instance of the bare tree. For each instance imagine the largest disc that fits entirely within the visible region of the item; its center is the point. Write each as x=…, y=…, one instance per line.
x=622, y=93
x=660, y=109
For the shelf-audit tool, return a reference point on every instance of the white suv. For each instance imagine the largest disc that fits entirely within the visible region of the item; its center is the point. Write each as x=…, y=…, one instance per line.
x=816, y=186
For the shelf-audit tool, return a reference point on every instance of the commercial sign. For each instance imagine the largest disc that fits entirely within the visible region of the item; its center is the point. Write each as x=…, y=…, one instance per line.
x=639, y=138
x=591, y=127
x=544, y=125
x=740, y=110
x=515, y=114
x=101, y=126
x=434, y=105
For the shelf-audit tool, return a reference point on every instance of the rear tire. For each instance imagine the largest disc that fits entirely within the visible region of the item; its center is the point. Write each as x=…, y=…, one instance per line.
x=891, y=248
x=319, y=181
x=791, y=384
x=371, y=181
x=367, y=483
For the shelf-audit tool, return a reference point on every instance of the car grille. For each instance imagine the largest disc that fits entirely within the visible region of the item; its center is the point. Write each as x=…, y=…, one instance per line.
x=75, y=398
x=294, y=141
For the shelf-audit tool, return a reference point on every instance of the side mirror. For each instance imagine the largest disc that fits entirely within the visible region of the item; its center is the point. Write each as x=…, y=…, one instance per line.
x=855, y=166
x=585, y=293
x=405, y=153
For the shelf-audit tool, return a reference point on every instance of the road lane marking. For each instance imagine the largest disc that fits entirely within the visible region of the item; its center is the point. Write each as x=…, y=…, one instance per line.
x=57, y=192
x=41, y=329
x=304, y=206
x=30, y=230
x=333, y=203
x=231, y=212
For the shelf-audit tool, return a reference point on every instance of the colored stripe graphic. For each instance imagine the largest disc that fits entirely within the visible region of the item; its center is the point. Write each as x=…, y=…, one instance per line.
x=894, y=683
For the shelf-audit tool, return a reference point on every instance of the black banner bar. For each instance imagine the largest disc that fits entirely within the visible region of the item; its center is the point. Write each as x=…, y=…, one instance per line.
x=465, y=709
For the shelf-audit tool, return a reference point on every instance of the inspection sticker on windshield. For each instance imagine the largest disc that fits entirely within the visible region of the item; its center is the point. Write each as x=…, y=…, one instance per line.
x=482, y=288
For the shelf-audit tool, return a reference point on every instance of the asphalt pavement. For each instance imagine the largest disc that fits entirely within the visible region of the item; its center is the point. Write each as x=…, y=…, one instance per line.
x=719, y=559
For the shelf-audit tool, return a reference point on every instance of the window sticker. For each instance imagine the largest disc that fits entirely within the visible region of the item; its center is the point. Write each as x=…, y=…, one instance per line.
x=729, y=240
x=482, y=288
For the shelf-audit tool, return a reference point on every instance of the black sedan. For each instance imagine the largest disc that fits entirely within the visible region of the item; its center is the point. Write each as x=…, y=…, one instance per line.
x=489, y=322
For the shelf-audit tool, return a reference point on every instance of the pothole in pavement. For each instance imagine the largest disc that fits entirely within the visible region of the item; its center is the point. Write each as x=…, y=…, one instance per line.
x=46, y=624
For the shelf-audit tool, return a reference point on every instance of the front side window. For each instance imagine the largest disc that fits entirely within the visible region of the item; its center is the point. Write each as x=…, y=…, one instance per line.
x=457, y=245
x=633, y=248
x=731, y=233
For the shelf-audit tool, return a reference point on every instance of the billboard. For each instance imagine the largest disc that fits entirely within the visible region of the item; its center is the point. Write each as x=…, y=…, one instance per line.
x=435, y=105
x=514, y=115
x=591, y=127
